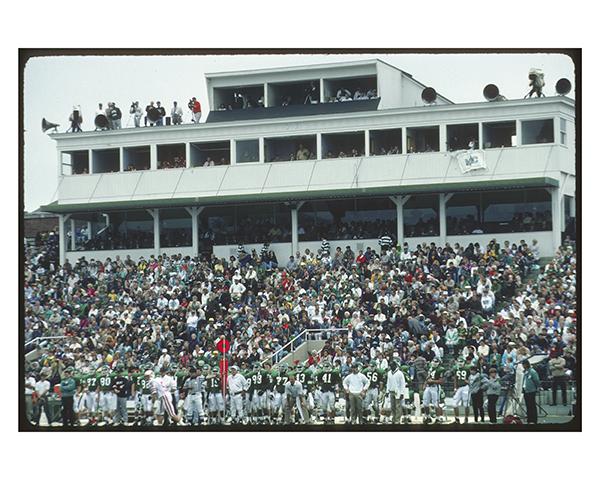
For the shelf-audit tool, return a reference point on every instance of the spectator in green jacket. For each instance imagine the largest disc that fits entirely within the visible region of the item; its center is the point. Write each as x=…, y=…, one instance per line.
x=531, y=384
x=68, y=386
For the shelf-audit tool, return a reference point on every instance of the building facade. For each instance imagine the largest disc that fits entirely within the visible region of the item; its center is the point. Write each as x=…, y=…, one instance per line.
x=346, y=152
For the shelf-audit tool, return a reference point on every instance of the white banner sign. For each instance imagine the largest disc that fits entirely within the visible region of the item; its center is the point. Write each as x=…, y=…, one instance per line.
x=471, y=160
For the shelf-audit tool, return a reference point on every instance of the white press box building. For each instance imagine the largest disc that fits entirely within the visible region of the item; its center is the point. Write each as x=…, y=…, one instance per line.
x=280, y=158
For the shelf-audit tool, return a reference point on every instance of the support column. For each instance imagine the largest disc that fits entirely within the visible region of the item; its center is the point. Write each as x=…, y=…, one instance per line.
x=89, y=230
x=367, y=144
x=443, y=137
x=519, y=132
x=154, y=213
x=261, y=150
x=319, y=146
x=404, y=141
x=72, y=235
x=194, y=212
x=321, y=90
x=188, y=155
x=233, y=154
x=153, y=157
x=399, y=201
x=121, y=159
x=444, y=197
x=295, y=241
x=62, y=239
x=556, y=218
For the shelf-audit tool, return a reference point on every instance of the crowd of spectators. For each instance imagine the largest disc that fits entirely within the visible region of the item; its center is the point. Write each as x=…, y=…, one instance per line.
x=301, y=153
x=344, y=95
x=176, y=161
x=472, y=302
x=353, y=152
x=393, y=150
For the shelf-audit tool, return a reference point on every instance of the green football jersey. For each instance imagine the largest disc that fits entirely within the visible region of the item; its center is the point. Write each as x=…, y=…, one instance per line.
x=213, y=384
x=435, y=374
x=279, y=380
x=462, y=376
x=328, y=380
x=106, y=381
x=141, y=385
x=375, y=376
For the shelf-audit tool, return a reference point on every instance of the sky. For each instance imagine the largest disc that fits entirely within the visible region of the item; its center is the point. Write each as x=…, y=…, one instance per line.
x=52, y=85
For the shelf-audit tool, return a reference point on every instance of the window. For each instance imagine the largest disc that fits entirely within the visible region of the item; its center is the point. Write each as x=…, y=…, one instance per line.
x=421, y=216
x=385, y=142
x=350, y=89
x=423, y=139
x=75, y=163
x=238, y=98
x=339, y=145
x=297, y=93
x=245, y=224
x=136, y=158
x=114, y=230
x=563, y=131
x=501, y=211
x=246, y=151
x=171, y=156
x=463, y=214
x=460, y=137
x=210, y=154
x=175, y=227
x=537, y=131
x=346, y=219
x=106, y=161
x=290, y=148
x=499, y=134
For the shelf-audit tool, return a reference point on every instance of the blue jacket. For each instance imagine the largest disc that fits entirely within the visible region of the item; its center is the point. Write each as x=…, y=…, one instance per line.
x=531, y=381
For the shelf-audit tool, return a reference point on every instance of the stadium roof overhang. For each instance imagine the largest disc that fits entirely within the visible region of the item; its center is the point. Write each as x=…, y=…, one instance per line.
x=535, y=182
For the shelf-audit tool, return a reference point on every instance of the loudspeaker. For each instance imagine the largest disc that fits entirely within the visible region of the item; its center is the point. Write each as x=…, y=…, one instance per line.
x=429, y=95
x=492, y=93
x=563, y=86
x=101, y=121
x=46, y=125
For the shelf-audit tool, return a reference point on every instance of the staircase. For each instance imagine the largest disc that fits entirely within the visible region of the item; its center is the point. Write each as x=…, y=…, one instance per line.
x=298, y=349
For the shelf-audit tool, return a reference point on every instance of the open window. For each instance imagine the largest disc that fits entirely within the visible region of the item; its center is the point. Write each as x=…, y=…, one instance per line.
x=175, y=227
x=210, y=154
x=499, y=134
x=237, y=98
x=291, y=148
x=105, y=161
x=339, y=145
x=537, y=131
x=423, y=139
x=171, y=156
x=136, y=158
x=421, y=216
x=385, y=142
x=75, y=163
x=350, y=89
x=462, y=137
x=246, y=151
x=294, y=93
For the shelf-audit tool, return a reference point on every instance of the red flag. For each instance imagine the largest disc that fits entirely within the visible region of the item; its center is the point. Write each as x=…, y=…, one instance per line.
x=224, y=369
x=223, y=345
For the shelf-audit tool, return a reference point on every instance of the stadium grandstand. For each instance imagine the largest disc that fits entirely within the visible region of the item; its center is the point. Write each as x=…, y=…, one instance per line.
x=335, y=244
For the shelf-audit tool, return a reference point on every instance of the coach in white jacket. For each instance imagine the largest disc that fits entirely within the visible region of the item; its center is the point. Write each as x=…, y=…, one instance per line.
x=237, y=385
x=396, y=384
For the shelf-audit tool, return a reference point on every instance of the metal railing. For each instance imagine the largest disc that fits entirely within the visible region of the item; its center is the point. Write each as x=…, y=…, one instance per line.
x=298, y=340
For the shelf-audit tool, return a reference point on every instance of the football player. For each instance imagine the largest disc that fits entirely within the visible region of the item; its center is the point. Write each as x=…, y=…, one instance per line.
x=108, y=398
x=279, y=379
x=216, y=405
x=371, y=401
x=461, y=393
x=431, y=394
x=328, y=380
